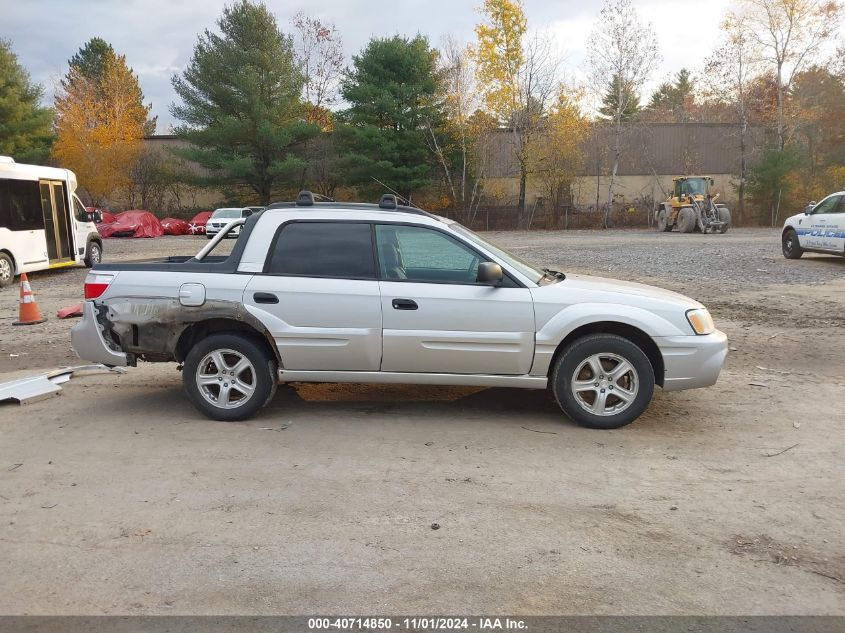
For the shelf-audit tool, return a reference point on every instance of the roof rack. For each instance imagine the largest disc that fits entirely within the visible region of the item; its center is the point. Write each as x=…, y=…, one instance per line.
x=305, y=199
x=388, y=202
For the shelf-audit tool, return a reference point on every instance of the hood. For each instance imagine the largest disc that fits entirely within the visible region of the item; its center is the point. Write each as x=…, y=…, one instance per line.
x=604, y=286
x=670, y=307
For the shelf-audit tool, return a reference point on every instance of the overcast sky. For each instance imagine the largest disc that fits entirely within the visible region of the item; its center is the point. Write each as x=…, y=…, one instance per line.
x=158, y=36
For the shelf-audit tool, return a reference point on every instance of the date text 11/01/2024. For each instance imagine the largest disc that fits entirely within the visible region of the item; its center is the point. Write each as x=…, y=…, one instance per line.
x=417, y=624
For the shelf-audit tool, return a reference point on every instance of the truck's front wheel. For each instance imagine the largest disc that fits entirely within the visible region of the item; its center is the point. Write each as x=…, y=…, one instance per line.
x=603, y=381
x=93, y=254
x=229, y=376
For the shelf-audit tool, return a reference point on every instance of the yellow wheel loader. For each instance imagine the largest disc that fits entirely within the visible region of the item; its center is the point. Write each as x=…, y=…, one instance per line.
x=691, y=207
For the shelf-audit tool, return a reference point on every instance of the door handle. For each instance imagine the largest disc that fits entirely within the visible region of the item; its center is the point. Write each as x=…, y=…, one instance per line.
x=404, y=304
x=265, y=297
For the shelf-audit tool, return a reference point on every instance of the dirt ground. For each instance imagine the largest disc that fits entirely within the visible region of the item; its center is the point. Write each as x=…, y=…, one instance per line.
x=117, y=497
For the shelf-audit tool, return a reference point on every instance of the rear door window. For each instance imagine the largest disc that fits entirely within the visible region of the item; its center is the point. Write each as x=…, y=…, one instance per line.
x=342, y=250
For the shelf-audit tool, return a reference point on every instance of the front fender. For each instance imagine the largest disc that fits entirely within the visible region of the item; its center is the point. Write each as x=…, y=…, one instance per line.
x=569, y=319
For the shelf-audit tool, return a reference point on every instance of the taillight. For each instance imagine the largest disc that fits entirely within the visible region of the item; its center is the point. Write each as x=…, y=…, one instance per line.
x=96, y=284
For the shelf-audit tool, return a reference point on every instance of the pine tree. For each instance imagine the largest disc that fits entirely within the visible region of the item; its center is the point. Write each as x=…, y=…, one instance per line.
x=393, y=92
x=241, y=107
x=630, y=101
x=25, y=126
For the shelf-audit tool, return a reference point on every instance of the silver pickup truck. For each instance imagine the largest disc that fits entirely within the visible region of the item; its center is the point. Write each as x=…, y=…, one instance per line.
x=366, y=293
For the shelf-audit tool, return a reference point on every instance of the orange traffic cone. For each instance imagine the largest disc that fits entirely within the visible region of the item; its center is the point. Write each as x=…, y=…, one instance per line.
x=28, y=313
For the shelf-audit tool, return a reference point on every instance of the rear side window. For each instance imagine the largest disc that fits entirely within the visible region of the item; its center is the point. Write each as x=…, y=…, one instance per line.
x=324, y=249
x=20, y=205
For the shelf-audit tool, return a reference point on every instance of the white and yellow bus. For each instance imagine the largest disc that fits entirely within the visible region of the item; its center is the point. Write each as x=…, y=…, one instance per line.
x=43, y=224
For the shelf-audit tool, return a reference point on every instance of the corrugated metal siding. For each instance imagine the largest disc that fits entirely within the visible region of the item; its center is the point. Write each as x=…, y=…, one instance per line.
x=670, y=148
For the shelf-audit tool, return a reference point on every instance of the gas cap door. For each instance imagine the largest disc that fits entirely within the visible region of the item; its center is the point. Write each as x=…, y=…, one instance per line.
x=192, y=294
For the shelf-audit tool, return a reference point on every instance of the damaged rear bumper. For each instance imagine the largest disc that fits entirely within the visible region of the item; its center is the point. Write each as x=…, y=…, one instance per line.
x=87, y=340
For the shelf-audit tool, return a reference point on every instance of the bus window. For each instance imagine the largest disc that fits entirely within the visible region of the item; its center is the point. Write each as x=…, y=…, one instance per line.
x=20, y=205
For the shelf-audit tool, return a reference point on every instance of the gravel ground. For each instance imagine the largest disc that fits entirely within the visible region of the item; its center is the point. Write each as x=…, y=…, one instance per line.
x=742, y=259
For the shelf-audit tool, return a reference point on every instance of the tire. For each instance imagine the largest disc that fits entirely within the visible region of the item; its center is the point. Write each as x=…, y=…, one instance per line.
x=724, y=216
x=790, y=246
x=686, y=220
x=663, y=220
x=258, y=374
x=7, y=270
x=93, y=254
x=580, y=402
x=209, y=236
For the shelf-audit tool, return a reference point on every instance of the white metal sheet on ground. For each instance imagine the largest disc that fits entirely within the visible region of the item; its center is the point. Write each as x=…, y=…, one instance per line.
x=35, y=388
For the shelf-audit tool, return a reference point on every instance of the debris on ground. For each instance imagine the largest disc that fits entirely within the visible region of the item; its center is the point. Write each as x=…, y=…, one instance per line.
x=789, y=448
x=536, y=431
x=34, y=388
x=70, y=311
x=279, y=429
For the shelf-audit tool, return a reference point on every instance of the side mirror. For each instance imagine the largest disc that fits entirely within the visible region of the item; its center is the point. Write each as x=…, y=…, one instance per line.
x=91, y=216
x=809, y=207
x=247, y=213
x=490, y=273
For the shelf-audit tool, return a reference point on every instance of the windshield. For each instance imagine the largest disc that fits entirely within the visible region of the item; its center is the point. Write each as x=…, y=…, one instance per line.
x=693, y=187
x=226, y=213
x=529, y=270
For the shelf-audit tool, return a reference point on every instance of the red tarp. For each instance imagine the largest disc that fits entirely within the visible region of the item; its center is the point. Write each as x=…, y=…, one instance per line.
x=174, y=226
x=133, y=223
x=197, y=224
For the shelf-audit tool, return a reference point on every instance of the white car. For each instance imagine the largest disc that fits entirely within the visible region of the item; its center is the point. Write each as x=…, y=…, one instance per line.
x=819, y=229
x=340, y=292
x=221, y=217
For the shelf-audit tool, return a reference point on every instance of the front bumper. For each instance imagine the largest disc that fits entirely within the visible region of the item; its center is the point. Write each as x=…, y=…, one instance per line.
x=692, y=361
x=86, y=339
x=214, y=230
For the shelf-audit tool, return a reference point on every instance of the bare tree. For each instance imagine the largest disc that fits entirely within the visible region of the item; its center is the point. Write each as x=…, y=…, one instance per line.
x=319, y=51
x=460, y=100
x=538, y=81
x=790, y=33
x=624, y=54
x=729, y=72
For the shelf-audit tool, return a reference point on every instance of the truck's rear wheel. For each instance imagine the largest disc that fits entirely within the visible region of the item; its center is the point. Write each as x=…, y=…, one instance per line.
x=724, y=216
x=7, y=270
x=229, y=376
x=686, y=220
x=603, y=381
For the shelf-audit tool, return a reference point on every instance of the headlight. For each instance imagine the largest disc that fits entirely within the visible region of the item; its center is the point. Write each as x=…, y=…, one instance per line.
x=701, y=321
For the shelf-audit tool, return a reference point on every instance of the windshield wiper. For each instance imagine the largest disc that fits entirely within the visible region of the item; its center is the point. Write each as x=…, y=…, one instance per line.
x=553, y=274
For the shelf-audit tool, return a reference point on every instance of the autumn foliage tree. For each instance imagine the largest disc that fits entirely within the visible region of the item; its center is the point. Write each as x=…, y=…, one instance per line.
x=517, y=75
x=100, y=124
x=790, y=34
x=558, y=155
